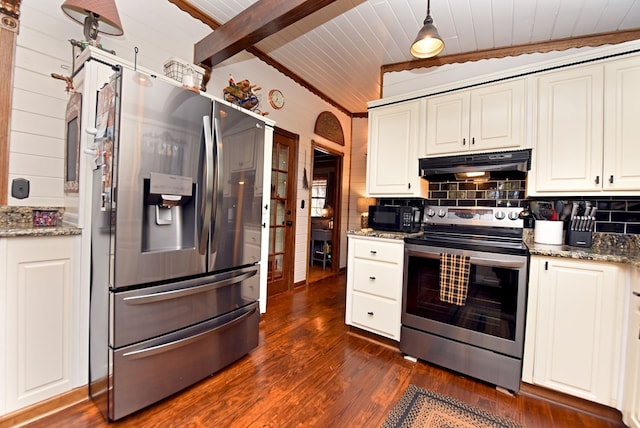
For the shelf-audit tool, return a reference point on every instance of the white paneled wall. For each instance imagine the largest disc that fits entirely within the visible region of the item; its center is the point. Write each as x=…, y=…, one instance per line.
x=159, y=32
x=39, y=101
x=360, y=134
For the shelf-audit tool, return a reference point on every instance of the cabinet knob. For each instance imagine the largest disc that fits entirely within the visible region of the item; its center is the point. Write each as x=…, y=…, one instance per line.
x=374, y=252
x=370, y=314
x=409, y=185
x=372, y=278
x=611, y=179
x=597, y=179
x=473, y=141
x=464, y=141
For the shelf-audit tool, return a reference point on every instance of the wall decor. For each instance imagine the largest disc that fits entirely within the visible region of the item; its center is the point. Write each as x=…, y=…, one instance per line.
x=72, y=144
x=328, y=126
x=276, y=99
x=243, y=94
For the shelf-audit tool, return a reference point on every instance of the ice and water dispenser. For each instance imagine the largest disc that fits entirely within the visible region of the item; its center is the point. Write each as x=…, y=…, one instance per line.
x=169, y=215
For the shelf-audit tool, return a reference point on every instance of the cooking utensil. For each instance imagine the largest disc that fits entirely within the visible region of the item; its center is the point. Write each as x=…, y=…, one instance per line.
x=559, y=207
x=592, y=223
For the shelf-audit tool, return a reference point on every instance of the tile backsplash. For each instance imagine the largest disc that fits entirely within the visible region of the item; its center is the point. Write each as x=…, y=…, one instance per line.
x=493, y=193
x=616, y=214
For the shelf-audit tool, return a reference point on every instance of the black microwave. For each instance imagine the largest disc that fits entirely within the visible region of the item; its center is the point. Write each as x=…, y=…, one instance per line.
x=395, y=218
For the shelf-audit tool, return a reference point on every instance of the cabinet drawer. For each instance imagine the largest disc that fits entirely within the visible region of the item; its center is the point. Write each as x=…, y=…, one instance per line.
x=381, y=251
x=374, y=313
x=381, y=279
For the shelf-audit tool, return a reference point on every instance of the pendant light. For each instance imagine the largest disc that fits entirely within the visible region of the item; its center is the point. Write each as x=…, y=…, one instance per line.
x=428, y=43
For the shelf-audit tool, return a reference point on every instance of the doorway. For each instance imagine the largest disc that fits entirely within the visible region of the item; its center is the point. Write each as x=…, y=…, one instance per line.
x=282, y=212
x=325, y=207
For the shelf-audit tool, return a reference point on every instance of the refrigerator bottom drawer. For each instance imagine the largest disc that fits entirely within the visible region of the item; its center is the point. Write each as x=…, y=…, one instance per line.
x=150, y=371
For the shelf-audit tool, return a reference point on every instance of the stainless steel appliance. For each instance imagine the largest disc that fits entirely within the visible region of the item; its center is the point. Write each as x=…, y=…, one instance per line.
x=508, y=164
x=176, y=233
x=395, y=218
x=484, y=337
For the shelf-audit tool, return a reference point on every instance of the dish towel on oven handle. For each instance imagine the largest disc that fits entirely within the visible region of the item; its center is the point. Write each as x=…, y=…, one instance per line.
x=454, y=278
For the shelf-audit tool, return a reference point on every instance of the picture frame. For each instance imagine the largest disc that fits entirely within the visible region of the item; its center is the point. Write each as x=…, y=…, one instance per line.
x=72, y=143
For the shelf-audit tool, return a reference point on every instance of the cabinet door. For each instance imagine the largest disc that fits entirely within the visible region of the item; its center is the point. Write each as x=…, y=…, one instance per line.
x=579, y=328
x=631, y=406
x=621, y=125
x=497, y=116
x=392, y=161
x=39, y=319
x=448, y=123
x=568, y=154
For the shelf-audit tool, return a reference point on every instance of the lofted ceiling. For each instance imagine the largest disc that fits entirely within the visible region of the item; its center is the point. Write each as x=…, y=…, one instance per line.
x=339, y=50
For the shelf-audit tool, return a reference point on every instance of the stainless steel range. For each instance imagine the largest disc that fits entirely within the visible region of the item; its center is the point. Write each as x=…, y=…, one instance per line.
x=483, y=335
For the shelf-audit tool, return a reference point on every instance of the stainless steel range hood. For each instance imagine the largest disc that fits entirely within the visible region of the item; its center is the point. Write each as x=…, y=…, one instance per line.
x=512, y=164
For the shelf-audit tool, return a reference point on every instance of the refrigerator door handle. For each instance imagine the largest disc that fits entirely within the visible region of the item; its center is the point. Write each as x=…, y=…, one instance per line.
x=183, y=292
x=166, y=347
x=208, y=184
x=217, y=145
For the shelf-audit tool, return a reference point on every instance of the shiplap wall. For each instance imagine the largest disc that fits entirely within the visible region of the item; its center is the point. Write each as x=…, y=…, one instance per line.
x=159, y=32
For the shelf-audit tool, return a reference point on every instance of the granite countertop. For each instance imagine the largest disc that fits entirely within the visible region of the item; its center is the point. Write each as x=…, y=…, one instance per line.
x=64, y=230
x=606, y=247
x=34, y=221
x=382, y=234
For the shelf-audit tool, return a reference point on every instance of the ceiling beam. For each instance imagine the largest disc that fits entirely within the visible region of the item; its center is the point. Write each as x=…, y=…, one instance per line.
x=196, y=13
x=258, y=21
x=554, y=45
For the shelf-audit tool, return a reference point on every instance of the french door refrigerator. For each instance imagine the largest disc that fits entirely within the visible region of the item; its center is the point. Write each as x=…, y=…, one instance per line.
x=176, y=234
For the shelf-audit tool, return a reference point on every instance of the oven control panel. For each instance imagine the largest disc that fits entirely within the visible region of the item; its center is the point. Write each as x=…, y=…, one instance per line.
x=476, y=216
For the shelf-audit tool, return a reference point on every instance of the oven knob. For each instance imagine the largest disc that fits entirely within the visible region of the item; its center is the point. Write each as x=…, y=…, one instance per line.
x=513, y=215
x=431, y=212
x=499, y=215
x=441, y=213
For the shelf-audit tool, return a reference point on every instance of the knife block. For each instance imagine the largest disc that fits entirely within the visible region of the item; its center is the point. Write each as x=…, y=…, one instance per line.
x=579, y=238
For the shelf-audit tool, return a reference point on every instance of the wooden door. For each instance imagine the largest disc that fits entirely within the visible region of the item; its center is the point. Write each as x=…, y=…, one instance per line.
x=282, y=212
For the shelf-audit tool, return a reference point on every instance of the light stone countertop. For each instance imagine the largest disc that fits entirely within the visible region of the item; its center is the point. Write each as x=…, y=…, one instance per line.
x=607, y=247
x=382, y=234
x=19, y=222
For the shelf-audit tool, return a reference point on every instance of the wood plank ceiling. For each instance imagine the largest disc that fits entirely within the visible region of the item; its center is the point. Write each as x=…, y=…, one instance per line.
x=341, y=50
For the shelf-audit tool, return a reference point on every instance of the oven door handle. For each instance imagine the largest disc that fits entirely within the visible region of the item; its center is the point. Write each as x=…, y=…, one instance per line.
x=480, y=261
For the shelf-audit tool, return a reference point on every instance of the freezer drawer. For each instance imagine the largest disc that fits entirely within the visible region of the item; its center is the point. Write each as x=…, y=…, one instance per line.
x=152, y=370
x=154, y=311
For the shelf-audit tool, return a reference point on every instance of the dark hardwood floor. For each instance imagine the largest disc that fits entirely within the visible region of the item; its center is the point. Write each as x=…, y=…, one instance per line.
x=311, y=370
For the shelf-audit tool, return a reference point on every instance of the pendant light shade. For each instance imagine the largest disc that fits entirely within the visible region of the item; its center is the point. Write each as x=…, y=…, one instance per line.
x=92, y=13
x=428, y=43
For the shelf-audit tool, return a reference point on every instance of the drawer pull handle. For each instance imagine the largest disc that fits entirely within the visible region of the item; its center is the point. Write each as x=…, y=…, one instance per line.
x=372, y=278
x=637, y=294
x=370, y=314
x=374, y=252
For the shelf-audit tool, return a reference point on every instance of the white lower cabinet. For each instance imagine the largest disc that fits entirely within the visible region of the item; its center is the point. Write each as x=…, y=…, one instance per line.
x=37, y=291
x=631, y=405
x=374, y=285
x=574, y=327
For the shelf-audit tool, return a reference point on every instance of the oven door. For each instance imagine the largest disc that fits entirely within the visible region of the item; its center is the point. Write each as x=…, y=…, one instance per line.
x=493, y=315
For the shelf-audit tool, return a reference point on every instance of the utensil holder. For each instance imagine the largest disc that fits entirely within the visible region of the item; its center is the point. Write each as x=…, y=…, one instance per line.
x=579, y=238
x=548, y=232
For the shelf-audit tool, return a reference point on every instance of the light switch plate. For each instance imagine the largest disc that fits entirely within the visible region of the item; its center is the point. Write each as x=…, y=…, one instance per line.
x=20, y=188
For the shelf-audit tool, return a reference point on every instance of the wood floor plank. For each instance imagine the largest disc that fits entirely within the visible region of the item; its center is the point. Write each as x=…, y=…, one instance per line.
x=310, y=370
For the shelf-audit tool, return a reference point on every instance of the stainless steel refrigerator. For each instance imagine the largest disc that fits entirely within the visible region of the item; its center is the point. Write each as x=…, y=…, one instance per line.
x=176, y=232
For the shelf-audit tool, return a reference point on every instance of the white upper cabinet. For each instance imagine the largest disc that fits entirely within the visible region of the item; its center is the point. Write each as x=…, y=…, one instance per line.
x=622, y=125
x=392, y=158
x=587, y=128
x=484, y=119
